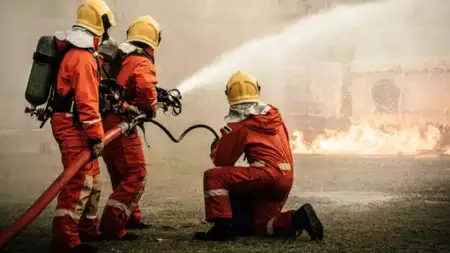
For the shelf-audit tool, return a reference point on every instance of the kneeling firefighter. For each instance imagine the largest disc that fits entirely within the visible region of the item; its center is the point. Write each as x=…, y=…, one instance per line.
x=124, y=156
x=244, y=201
x=76, y=125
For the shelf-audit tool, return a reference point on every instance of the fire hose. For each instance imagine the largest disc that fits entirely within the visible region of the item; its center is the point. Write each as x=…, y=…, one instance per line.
x=42, y=202
x=185, y=132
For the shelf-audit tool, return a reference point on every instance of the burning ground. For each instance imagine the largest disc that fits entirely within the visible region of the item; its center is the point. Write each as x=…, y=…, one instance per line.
x=381, y=204
x=374, y=139
x=368, y=204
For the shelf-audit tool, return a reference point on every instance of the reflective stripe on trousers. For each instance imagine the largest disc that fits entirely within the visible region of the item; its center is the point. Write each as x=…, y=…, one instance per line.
x=270, y=230
x=281, y=166
x=116, y=204
x=87, y=201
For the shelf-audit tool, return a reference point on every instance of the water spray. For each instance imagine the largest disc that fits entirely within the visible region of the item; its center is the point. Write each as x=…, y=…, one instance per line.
x=363, y=26
x=259, y=55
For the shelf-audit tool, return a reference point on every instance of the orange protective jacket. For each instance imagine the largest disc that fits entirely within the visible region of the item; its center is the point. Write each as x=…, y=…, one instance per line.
x=79, y=72
x=263, y=138
x=138, y=77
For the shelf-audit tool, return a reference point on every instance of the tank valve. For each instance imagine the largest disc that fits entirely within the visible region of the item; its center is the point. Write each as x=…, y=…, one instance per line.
x=30, y=109
x=40, y=113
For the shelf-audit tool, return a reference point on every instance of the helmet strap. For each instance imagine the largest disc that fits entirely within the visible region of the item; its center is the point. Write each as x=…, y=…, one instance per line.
x=106, y=25
x=105, y=37
x=159, y=37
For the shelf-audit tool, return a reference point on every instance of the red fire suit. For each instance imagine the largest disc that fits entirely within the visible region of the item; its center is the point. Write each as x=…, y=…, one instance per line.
x=124, y=156
x=76, y=210
x=264, y=185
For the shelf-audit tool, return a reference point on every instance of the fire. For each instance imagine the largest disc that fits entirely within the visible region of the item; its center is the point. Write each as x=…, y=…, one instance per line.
x=369, y=139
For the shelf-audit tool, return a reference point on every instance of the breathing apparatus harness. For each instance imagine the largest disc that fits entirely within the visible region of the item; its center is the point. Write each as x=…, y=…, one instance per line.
x=57, y=102
x=112, y=97
x=166, y=98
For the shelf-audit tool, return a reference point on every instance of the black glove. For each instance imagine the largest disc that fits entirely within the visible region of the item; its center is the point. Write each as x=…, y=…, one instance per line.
x=214, y=144
x=150, y=114
x=96, y=147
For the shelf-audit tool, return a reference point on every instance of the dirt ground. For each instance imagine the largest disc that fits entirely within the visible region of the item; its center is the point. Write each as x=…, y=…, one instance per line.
x=367, y=205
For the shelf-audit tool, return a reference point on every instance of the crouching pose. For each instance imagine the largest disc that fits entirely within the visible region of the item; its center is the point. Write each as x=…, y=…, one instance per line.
x=248, y=200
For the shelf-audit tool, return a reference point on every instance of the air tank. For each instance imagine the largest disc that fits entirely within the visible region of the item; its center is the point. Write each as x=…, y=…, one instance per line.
x=111, y=60
x=42, y=73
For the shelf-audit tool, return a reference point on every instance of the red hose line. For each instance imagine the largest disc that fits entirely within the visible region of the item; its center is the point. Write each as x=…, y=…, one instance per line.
x=41, y=203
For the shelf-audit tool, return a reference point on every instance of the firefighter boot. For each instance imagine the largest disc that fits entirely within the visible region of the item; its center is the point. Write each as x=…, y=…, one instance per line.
x=306, y=218
x=221, y=231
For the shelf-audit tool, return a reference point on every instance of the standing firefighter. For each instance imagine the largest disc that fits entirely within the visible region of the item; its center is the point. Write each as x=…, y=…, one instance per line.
x=76, y=125
x=124, y=157
x=248, y=200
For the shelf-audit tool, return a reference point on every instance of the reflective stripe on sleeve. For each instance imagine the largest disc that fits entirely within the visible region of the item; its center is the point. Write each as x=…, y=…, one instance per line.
x=216, y=192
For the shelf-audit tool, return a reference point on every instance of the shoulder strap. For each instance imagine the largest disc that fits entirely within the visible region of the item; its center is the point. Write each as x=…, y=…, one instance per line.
x=95, y=55
x=50, y=106
x=90, y=50
x=140, y=52
x=55, y=98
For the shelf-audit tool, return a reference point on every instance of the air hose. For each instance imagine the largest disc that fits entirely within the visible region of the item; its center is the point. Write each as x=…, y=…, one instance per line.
x=185, y=132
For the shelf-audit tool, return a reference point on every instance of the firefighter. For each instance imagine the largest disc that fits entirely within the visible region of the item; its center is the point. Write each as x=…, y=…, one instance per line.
x=76, y=125
x=124, y=157
x=248, y=200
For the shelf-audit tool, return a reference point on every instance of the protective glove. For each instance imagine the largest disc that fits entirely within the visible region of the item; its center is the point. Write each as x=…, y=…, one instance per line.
x=214, y=144
x=129, y=111
x=151, y=114
x=133, y=110
x=96, y=147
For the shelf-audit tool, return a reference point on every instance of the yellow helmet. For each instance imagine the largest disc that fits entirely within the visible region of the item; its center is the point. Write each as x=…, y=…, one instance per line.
x=145, y=29
x=95, y=16
x=242, y=87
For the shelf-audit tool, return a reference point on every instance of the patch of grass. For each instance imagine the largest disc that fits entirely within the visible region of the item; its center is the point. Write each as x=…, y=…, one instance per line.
x=389, y=228
x=417, y=221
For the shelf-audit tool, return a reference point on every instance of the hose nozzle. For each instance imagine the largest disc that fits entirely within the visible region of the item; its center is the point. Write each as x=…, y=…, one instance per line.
x=175, y=93
x=170, y=98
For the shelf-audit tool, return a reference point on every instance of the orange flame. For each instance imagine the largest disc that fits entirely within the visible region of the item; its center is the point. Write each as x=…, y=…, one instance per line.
x=367, y=139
